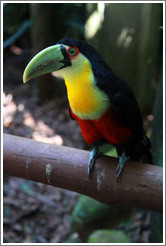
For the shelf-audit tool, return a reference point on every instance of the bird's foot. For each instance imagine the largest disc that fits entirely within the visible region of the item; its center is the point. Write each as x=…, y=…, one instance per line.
x=122, y=161
x=93, y=156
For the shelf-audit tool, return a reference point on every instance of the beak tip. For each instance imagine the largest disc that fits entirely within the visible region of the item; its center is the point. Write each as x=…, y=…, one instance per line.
x=25, y=79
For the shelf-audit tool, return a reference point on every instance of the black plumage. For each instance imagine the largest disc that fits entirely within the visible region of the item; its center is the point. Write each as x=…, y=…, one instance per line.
x=122, y=101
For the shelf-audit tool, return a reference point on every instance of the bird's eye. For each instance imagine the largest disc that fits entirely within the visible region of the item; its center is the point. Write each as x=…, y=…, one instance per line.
x=73, y=51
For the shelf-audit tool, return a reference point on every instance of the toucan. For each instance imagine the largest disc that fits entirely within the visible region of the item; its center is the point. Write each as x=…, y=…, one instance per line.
x=102, y=103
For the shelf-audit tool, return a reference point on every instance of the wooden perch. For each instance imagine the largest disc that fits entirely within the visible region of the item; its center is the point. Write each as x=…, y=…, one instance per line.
x=139, y=185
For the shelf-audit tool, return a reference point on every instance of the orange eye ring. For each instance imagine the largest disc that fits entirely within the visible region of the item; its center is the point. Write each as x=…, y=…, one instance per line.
x=72, y=51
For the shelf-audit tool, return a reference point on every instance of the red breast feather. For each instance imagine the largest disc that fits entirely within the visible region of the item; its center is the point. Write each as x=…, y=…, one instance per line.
x=106, y=128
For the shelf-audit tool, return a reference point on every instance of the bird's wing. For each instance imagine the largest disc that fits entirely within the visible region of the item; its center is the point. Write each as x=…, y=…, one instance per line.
x=121, y=97
x=126, y=110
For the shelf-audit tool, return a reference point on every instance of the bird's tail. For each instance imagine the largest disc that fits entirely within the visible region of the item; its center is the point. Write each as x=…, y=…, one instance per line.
x=139, y=150
x=145, y=151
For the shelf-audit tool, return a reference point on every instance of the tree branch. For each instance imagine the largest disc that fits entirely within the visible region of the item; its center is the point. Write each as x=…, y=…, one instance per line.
x=139, y=185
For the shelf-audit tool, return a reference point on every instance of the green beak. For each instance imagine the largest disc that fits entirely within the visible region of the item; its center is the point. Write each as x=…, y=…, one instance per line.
x=48, y=60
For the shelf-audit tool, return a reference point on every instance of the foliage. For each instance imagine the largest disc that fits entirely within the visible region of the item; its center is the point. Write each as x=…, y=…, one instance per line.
x=109, y=236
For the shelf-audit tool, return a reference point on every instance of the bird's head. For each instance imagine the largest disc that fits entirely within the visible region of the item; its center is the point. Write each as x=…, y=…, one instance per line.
x=67, y=57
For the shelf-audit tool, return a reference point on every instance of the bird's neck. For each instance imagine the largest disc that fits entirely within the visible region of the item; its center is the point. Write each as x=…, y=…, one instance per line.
x=86, y=100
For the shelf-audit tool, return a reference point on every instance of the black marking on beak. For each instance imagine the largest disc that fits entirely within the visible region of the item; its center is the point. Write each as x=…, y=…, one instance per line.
x=66, y=59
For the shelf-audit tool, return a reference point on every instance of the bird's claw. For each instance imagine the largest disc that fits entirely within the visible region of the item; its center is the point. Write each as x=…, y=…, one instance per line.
x=119, y=170
x=90, y=166
x=93, y=155
x=122, y=161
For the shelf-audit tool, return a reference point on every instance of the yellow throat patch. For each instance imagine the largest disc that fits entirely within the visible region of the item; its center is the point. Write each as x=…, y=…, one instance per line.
x=86, y=100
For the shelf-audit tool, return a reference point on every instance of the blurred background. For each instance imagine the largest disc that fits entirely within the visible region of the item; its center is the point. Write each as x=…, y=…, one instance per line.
x=129, y=37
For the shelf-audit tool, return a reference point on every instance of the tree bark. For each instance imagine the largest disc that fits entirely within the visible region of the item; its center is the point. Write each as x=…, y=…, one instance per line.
x=139, y=185
x=131, y=46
